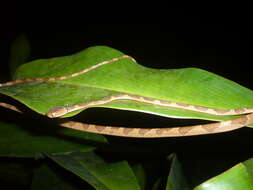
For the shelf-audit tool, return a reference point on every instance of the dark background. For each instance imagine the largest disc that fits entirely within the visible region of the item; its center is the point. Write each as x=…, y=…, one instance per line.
x=217, y=39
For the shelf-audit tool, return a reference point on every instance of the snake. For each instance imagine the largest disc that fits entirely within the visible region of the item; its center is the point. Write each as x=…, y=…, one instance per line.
x=246, y=114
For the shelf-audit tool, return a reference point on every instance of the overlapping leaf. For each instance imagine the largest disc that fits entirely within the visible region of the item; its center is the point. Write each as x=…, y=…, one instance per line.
x=15, y=141
x=190, y=85
x=47, y=177
x=140, y=174
x=95, y=171
x=176, y=180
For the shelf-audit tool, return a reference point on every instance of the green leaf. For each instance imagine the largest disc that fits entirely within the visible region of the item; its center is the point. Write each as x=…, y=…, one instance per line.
x=176, y=179
x=16, y=141
x=238, y=177
x=98, y=173
x=190, y=85
x=19, y=53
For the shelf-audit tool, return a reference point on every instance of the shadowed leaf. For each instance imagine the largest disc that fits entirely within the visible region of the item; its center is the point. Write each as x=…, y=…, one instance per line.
x=98, y=173
x=176, y=179
x=48, y=178
x=140, y=174
x=16, y=141
x=20, y=52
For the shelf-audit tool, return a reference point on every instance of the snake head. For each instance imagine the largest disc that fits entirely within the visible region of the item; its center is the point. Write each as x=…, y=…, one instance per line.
x=57, y=112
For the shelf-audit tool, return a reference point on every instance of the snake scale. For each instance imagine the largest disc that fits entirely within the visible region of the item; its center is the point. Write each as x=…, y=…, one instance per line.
x=217, y=127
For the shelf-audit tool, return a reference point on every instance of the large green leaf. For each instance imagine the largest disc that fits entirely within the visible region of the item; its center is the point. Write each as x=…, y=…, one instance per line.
x=238, y=177
x=98, y=173
x=190, y=85
x=16, y=141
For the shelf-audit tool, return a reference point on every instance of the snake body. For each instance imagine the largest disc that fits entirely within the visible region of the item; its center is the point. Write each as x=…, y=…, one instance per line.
x=60, y=111
x=10, y=83
x=217, y=127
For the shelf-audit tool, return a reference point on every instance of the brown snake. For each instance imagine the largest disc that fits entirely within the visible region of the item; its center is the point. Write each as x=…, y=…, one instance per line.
x=217, y=127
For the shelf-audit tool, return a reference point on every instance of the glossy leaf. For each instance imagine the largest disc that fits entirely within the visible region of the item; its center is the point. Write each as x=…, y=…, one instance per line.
x=190, y=85
x=238, y=177
x=98, y=173
x=16, y=141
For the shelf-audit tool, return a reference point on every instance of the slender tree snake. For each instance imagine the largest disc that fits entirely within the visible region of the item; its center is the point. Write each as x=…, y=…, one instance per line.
x=218, y=127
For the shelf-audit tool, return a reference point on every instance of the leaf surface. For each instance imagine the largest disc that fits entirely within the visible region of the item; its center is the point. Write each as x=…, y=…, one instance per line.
x=96, y=172
x=237, y=177
x=140, y=174
x=189, y=85
x=176, y=180
x=47, y=177
x=16, y=141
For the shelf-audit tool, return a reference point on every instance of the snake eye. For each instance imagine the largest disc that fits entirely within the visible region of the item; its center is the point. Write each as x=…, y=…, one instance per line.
x=57, y=112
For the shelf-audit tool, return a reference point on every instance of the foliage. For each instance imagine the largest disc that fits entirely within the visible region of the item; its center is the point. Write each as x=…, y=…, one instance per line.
x=67, y=159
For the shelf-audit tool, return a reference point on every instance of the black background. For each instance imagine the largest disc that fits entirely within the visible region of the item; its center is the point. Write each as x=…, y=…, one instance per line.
x=217, y=39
